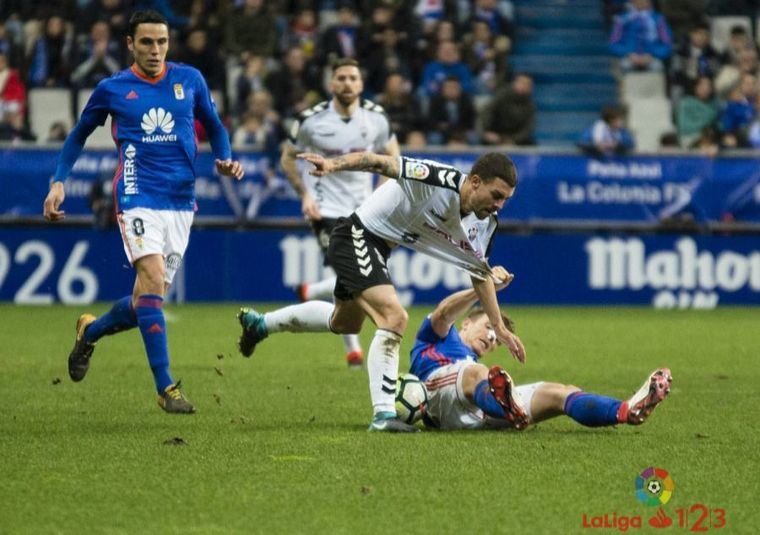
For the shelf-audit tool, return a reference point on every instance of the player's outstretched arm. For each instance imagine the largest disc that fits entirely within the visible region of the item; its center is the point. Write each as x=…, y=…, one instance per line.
x=448, y=311
x=53, y=201
x=486, y=291
x=355, y=161
x=391, y=149
x=309, y=206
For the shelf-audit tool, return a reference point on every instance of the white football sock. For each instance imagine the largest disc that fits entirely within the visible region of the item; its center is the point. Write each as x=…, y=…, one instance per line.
x=351, y=341
x=321, y=289
x=382, y=366
x=309, y=317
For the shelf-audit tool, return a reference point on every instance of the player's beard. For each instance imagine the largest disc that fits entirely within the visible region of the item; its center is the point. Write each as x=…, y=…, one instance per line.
x=346, y=99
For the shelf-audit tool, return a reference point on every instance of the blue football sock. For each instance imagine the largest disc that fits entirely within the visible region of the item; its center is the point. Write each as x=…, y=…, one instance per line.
x=485, y=400
x=150, y=318
x=120, y=318
x=592, y=410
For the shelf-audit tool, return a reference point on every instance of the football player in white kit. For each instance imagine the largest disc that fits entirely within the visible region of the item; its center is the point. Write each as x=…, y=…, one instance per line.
x=347, y=123
x=465, y=394
x=430, y=207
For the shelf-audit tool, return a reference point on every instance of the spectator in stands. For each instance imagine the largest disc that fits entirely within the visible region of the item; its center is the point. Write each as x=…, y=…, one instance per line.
x=255, y=134
x=114, y=12
x=695, y=57
x=641, y=38
x=451, y=113
x=486, y=56
x=260, y=107
x=747, y=62
x=96, y=61
x=708, y=142
x=57, y=133
x=488, y=11
x=50, y=58
x=738, y=113
x=754, y=129
x=384, y=58
x=251, y=79
x=683, y=15
x=13, y=129
x=12, y=91
x=738, y=42
x=696, y=111
x=9, y=48
x=446, y=64
x=608, y=135
x=342, y=39
x=416, y=140
x=429, y=13
x=400, y=105
x=511, y=117
x=201, y=55
x=295, y=86
x=302, y=32
x=251, y=29
x=669, y=140
x=164, y=7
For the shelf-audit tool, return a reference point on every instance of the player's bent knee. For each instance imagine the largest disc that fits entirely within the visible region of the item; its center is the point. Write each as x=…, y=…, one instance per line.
x=345, y=326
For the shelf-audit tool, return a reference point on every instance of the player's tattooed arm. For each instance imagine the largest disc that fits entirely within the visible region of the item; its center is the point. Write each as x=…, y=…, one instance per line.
x=288, y=163
x=309, y=206
x=355, y=161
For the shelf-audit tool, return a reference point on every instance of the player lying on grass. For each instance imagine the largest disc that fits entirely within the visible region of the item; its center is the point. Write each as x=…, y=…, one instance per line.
x=463, y=394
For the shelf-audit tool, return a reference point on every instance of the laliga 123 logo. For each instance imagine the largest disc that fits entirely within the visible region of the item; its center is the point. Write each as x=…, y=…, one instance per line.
x=654, y=487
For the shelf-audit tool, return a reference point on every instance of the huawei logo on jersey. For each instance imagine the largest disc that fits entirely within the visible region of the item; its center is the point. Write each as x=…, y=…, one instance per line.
x=158, y=119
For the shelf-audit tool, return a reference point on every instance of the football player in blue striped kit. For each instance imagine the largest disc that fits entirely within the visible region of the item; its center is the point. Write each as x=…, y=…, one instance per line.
x=153, y=106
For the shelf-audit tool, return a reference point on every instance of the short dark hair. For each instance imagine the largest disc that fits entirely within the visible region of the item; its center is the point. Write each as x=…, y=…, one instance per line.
x=476, y=312
x=612, y=112
x=344, y=62
x=146, y=16
x=495, y=164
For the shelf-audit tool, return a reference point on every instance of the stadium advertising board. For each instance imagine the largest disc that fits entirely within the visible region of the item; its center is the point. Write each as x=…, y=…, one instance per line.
x=671, y=271
x=642, y=189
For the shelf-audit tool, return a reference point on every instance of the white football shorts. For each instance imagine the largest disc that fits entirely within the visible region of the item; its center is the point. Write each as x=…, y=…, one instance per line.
x=166, y=232
x=449, y=408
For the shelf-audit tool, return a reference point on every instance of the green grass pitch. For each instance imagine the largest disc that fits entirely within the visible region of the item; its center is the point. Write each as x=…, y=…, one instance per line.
x=279, y=443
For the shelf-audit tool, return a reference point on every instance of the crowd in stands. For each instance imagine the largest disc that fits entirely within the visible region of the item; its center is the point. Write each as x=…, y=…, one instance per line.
x=434, y=64
x=440, y=68
x=715, y=93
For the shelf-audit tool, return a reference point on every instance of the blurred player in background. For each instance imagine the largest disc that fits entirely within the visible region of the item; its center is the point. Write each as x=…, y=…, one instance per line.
x=430, y=207
x=464, y=394
x=153, y=106
x=345, y=124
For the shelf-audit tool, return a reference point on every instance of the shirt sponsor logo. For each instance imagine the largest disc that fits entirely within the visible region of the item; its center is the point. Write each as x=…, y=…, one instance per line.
x=158, y=119
x=130, y=173
x=417, y=171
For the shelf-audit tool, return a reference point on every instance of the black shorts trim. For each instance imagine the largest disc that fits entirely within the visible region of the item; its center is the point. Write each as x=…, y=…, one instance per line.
x=358, y=257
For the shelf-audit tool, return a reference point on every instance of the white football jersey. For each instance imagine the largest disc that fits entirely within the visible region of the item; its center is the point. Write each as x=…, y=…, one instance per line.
x=421, y=210
x=322, y=130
